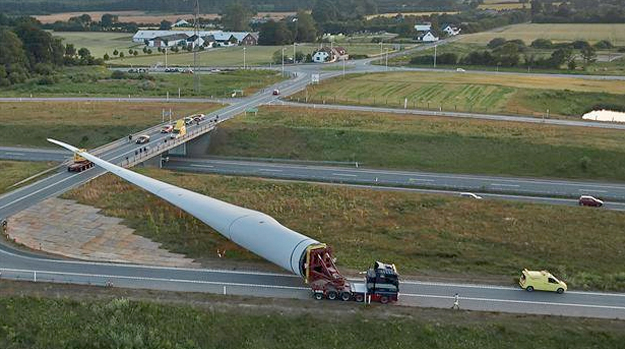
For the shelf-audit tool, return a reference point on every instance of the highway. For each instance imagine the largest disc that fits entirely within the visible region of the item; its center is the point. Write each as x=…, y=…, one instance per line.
x=29, y=266
x=526, y=189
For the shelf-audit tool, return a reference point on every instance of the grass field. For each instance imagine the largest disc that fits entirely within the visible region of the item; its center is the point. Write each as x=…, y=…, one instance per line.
x=86, y=124
x=503, y=6
x=204, y=321
x=424, y=143
x=143, y=17
x=473, y=92
x=15, y=171
x=100, y=43
x=422, y=234
x=233, y=56
x=556, y=32
x=96, y=81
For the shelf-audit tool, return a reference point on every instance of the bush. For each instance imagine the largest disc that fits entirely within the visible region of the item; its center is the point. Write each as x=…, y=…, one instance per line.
x=604, y=45
x=44, y=69
x=447, y=58
x=542, y=44
x=118, y=74
x=496, y=42
x=47, y=80
x=580, y=44
x=147, y=85
x=422, y=60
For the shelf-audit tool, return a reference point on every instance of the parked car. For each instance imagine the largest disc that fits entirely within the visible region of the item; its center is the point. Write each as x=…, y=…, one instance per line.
x=276, y=92
x=132, y=70
x=540, y=281
x=471, y=195
x=167, y=129
x=142, y=139
x=187, y=71
x=587, y=200
x=171, y=70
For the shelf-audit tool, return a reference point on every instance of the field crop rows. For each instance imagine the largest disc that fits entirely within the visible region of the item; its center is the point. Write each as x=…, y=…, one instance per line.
x=556, y=32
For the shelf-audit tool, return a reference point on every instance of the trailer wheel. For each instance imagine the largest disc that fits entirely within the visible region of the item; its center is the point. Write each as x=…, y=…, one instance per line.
x=318, y=296
x=360, y=298
x=331, y=295
x=345, y=296
x=384, y=299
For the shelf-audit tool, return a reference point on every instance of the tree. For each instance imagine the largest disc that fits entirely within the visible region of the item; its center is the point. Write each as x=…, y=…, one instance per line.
x=496, y=42
x=70, y=50
x=106, y=57
x=542, y=44
x=589, y=55
x=325, y=11
x=11, y=50
x=121, y=55
x=508, y=55
x=604, y=45
x=108, y=20
x=236, y=17
x=305, y=28
x=561, y=56
x=84, y=55
x=165, y=25
x=39, y=45
x=130, y=51
x=115, y=52
x=135, y=53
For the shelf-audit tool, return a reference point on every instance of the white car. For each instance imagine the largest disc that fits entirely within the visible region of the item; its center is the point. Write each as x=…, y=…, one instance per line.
x=471, y=195
x=460, y=70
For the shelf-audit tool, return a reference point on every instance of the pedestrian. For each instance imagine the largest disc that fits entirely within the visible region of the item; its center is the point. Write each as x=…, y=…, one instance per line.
x=456, y=302
x=130, y=137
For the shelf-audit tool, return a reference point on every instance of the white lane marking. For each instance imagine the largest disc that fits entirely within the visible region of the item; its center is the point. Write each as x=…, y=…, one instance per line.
x=593, y=190
x=144, y=278
x=504, y=185
x=16, y=154
x=196, y=165
x=344, y=175
x=516, y=301
x=269, y=170
x=420, y=180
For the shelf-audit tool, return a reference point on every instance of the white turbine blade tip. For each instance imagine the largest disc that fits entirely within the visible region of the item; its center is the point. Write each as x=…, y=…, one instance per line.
x=64, y=145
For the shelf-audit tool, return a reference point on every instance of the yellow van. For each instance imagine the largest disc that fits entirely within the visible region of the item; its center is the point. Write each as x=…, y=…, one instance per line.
x=540, y=281
x=179, y=130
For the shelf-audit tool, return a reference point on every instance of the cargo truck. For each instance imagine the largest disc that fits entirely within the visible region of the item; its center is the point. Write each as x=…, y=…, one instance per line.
x=79, y=163
x=179, y=130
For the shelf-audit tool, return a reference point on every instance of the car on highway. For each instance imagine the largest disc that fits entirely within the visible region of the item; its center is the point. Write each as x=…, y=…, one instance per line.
x=172, y=70
x=587, y=200
x=276, y=92
x=471, y=196
x=541, y=281
x=142, y=139
x=188, y=120
x=198, y=117
x=167, y=129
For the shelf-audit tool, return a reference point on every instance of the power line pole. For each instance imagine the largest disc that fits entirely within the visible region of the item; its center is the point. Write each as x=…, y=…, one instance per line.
x=196, y=32
x=435, y=46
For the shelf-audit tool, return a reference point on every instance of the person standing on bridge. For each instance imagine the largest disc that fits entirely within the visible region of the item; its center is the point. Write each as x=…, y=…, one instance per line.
x=456, y=302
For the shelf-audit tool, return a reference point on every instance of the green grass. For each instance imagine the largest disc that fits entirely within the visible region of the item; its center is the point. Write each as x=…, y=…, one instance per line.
x=422, y=234
x=100, y=43
x=15, y=171
x=96, y=81
x=85, y=124
x=424, y=143
x=472, y=92
x=29, y=322
x=233, y=56
x=557, y=32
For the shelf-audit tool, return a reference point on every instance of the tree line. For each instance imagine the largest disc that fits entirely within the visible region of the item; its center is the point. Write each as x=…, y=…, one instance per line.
x=578, y=11
x=27, y=51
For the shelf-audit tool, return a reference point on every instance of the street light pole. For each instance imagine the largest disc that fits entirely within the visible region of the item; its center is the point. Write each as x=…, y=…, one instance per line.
x=165, y=57
x=293, y=51
x=386, y=59
x=283, y=60
x=243, y=58
x=435, y=47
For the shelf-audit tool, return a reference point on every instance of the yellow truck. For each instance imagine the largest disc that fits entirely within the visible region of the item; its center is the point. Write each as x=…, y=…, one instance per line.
x=179, y=130
x=540, y=281
x=79, y=163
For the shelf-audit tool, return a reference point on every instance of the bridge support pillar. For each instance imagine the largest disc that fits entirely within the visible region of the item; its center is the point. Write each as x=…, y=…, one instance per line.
x=198, y=147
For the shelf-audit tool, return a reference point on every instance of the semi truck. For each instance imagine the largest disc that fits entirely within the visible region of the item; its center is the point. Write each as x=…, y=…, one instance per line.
x=79, y=163
x=264, y=236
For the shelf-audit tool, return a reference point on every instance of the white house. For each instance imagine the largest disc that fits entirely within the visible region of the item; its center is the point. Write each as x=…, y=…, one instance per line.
x=328, y=55
x=220, y=37
x=423, y=27
x=321, y=56
x=427, y=37
x=181, y=23
x=168, y=40
x=451, y=30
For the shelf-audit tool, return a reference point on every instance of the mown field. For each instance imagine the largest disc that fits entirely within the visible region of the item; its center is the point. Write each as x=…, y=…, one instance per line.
x=84, y=124
x=421, y=234
x=15, y=171
x=97, y=81
x=100, y=43
x=472, y=92
x=424, y=143
x=233, y=56
x=529, y=32
x=38, y=323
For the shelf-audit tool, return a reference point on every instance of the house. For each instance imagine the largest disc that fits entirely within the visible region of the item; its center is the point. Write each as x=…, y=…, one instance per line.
x=246, y=39
x=330, y=54
x=168, y=40
x=181, y=23
x=221, y=38
x=451, y=30
x=195, y=41
x=427, y=37
x=423, y=27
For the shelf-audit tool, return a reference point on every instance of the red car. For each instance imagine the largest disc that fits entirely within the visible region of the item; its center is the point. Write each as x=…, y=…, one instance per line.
x=167, y=129
x=587, y=200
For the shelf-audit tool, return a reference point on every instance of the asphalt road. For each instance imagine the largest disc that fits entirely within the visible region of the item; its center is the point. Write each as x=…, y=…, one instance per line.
x=526, y=189
x=24, y=266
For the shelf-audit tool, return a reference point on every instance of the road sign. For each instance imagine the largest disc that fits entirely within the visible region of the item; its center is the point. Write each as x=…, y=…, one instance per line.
x=315, y=78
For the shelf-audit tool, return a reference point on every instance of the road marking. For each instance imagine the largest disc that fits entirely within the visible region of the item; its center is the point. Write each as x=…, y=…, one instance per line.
x=16, y=154
x=269, y=170
x=207, y=166
x=344, y=175
x=420, y=180
x=504, y=185
x=516, y=301
x=593, y=190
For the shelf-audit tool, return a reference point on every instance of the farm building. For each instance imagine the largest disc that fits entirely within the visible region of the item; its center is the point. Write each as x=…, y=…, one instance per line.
x=451, y=29
x=220, y=37
x=330, y=54
x=427, y=37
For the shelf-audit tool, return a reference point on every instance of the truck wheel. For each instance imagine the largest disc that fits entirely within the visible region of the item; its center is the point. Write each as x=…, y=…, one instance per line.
x=384, y=299
x=560, y=290
x=345, y=296
x=529, y=289
x=360, y=298
x=331, y=295
x=318, y=296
